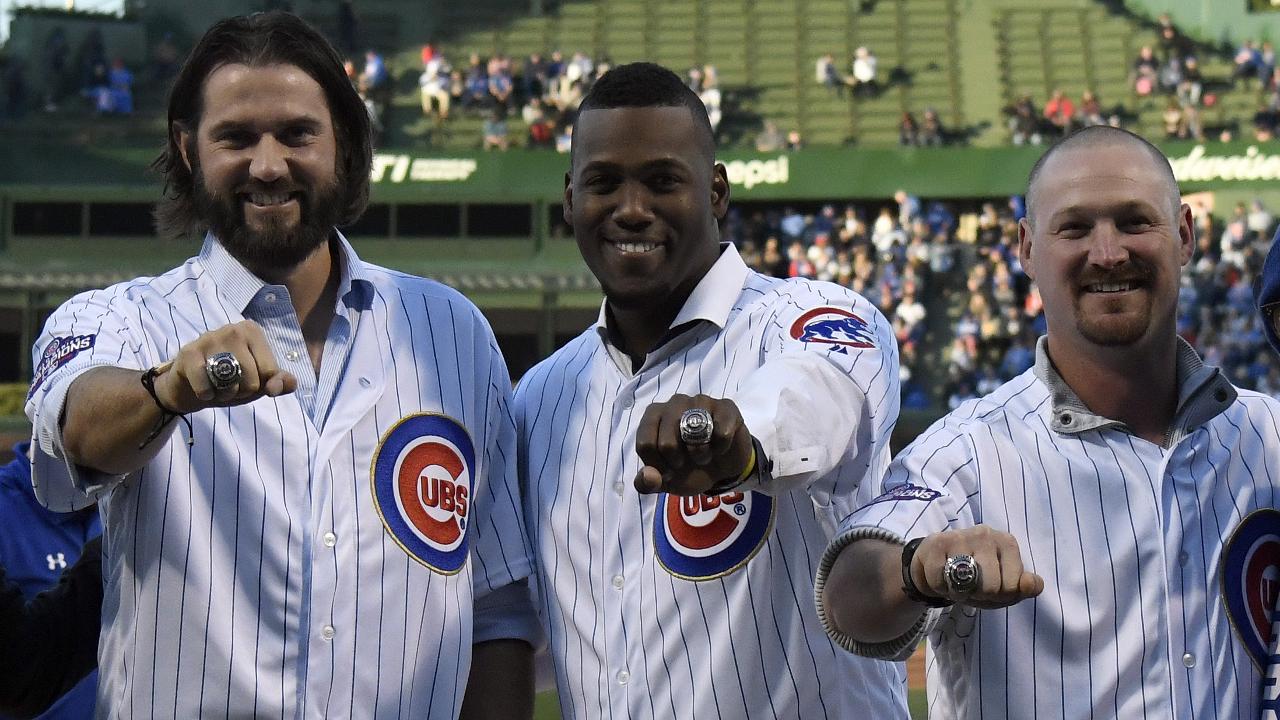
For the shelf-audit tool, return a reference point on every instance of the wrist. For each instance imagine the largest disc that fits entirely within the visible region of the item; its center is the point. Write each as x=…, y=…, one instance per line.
x=909, y=587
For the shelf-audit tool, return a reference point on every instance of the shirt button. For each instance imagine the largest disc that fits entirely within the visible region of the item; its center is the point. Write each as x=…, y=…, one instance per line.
x=365, y=382
x=1189, y=660
x=624, y=677
x=617, y=488
x=1183, y=557
x=327, y=632
x=618, y=580
x=330, y=539
x=292, y=355
x=270, y=297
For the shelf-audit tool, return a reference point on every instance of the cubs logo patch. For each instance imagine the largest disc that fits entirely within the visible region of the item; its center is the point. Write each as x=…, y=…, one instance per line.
x=833, y=326
x=908, y=492
x=57, y=353
x=422, y=481
x=702, y=537
x=1250, y=569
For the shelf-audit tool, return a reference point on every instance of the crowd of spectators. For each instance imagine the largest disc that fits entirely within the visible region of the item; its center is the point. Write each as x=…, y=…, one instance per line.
x=965, y=314
x=84, y=75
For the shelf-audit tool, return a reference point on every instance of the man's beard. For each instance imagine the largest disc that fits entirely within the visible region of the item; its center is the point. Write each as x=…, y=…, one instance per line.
x=277, y=247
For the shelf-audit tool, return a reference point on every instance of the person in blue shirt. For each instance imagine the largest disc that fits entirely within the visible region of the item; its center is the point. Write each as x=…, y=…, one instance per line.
x=1269, y=294
x=36, y=546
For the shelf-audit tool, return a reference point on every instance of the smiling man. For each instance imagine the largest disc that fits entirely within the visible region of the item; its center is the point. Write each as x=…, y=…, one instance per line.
x=675, y=569
x=305, y=546
x=1096, y=537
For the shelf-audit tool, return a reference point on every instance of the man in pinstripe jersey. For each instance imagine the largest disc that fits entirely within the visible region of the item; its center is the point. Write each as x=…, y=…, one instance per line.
x=675, y=578
x=1118, y=500
x=346, y=486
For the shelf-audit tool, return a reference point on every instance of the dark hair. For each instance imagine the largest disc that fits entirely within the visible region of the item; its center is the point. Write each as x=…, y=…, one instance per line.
x=645, y=84
x=256, y=40
x=1098, y=136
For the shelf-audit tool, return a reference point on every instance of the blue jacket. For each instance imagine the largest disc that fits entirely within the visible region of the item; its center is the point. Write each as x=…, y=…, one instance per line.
x=36, y=545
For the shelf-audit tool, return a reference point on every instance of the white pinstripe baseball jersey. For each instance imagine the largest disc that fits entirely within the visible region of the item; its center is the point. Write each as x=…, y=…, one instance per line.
x=285, y=566
x=665, y=607
x=1160, y=563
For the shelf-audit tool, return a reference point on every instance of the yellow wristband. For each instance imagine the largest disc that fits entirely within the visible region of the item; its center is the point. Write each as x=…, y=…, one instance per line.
x=751, y=467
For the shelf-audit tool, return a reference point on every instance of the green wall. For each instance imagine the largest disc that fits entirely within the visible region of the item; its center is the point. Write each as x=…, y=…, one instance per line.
x=1215, y=20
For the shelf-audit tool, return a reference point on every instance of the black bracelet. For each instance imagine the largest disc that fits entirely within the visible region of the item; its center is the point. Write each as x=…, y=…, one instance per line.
x=909, y=585
x=148, y=380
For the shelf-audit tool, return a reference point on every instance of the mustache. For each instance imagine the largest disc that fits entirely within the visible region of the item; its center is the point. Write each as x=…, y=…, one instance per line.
x=1135, y=270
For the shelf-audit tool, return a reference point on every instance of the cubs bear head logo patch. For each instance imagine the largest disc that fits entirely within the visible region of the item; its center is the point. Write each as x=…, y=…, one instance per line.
x=833, y=326
x=702, y=537
x=422, y=482
x=1251, y=580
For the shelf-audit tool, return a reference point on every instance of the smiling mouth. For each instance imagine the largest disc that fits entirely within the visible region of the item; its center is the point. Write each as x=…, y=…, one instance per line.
x=635, y=248
x=1112, y=287
x=260, y=199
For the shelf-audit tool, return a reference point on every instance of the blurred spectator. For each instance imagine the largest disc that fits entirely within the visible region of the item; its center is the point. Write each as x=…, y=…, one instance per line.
x=542, y=132
x=1090, y=112
x=500, y=82
x=120, y=80
x=534, y=77
x=15, y=85
x=1024, y=121
x=826, y=74
x=931, y=132
x=56, y=49
x=1172, y=119
x=91, y=56
x=908, y=130
x=1060, y=111
x=794, y=141
x=1171, y=74
x=434, y=85
x=1191, y=87
x=1259, y=220
x=864, y=71
x=475, y=92
x=347, y=25
x=770, y=138
x=1146, y=71
x=165, y=59
x=1266, y=61
x=375, y=77
x=710, y=95
x=1248, y=61
x=495, y=129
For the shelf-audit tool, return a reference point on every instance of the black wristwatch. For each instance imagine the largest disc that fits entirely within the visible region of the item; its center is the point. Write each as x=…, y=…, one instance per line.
x=909, y=585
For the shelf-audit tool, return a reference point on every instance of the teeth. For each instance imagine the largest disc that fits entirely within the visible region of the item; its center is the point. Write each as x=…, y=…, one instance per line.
x=1111, y=287
x=637, y=247
x=264, y=199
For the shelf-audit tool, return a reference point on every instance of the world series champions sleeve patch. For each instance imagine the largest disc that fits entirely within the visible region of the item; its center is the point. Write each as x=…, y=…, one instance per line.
x=57, y=353
x=833, y=326
x=422, y=483
x=702, y=537
x=1250, y=570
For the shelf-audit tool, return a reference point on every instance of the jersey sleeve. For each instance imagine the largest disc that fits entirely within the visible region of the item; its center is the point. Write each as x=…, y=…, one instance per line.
x=90, y=330
x=825, y=398
x=930, y=487
x=502, y=553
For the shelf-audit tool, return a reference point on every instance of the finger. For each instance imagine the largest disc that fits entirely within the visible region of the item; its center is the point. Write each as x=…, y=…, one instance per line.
x=671, y=449
x=189, y=369
x=250, y=381
x=256, y=342
x=989, y=575
x=695, y=481
x=727, y=426
x=1010, y=566
x=648, y=480
x=282, y=383
x=647, y=435
x=702, y=453
x=1030, y=585
x=225, y=395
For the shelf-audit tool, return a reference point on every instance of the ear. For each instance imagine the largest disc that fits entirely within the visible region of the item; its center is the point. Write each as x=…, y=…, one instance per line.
x=719, y=191
x=567, y=206
x=1024, y=248
x=1186, y=234
x=181, y=137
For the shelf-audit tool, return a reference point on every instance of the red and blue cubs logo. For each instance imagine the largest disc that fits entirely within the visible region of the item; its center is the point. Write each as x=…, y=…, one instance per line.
x=833, y=326
x=1251, y=580
x=422, y=482
x=702, y=537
